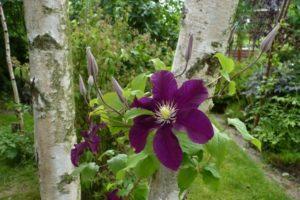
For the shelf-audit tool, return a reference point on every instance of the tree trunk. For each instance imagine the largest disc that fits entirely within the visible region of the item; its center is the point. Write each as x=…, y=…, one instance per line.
x=10, y=69
x=53, y=99
x=209, y=23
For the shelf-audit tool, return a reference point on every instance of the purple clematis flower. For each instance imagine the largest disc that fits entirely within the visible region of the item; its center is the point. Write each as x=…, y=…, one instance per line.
x=174, y=108
x=113, y=195
x=91, y=142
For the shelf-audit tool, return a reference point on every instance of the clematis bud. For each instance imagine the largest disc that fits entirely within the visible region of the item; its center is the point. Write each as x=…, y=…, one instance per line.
x=91, y=80
x=91, y=63
x=267, y=42
x=82, y=88
x=118, y=90
x=188, y=52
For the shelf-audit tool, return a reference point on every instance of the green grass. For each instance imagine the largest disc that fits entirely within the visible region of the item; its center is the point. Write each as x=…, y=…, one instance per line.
x=242, y=179
x=17, y=182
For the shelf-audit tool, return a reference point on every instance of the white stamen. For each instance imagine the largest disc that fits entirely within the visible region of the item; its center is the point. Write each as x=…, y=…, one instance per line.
x=166, y=113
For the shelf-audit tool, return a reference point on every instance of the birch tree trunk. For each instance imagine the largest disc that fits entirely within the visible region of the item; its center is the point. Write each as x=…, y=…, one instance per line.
x=209, y=22
x=54, y=113
x=10, y=68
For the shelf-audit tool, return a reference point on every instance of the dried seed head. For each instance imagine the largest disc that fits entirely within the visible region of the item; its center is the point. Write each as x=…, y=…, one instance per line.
x=91, y=63
x=82, y=88
x=189, y=49
x=267, y=42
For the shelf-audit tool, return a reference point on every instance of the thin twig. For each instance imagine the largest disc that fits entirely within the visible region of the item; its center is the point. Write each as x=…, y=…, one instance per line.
x=240, y=72
x=101, y=97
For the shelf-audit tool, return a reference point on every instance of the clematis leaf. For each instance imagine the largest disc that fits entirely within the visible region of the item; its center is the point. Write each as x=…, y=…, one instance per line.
x=187, y=145
x=231, y=88
x=185, y=178
x=141, y=191
x=158, y=64
x=135, y=112
x=139, y=83
x=217, y=146
x=227, y=63
x=112, y=99
x=241, y=127
x=87, y=171
x=117, y=163
x=225, y=75
x=146, y=167
x=211, y=176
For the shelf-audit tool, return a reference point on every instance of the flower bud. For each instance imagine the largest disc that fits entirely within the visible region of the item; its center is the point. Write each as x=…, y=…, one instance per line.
x=267, y=42
x=91, y=80
x=118, y=89
x=82, y=88
x=189, y=49
x=91, y=63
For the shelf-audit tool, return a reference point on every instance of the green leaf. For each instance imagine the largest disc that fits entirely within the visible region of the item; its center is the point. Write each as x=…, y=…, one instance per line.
x=135, y=112
x=241, y=127
x=94, y=102
x=146, y=167
x=108, y=153
x=131, y=162
x=112, y=99
x=186, y=177
x=158, y=64
x=87, y=171
x=117, y=163
x=217, y=146
x=187, y=145
x=225, y=75
x=139, y=83
x=226, y=62
x=211, y=176
x=141, y=191
x=231, y=88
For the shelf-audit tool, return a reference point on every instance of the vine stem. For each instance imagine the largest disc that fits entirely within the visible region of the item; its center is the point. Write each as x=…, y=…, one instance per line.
x=101, y=97
x=234, y=76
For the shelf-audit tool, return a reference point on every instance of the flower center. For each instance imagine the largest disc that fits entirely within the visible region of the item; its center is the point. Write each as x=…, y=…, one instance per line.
x=166, y=113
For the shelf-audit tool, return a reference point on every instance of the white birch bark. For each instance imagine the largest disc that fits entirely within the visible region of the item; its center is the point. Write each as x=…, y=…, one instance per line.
x=10, y=68
x=54, y=113
x=209, y=22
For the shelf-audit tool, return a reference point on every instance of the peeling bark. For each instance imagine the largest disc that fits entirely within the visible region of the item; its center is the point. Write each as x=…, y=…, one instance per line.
x=10, y=68
x=209, y=22
x=54, y=112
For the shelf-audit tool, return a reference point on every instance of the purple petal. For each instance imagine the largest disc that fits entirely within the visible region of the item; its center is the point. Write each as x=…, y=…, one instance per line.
x=197, y=125
x=164, y=85
x=77, y=152
x=113, y=195
x=139, y=132
x=167, y=149
x=144, y=102
x=94, y=143
x=191, y=94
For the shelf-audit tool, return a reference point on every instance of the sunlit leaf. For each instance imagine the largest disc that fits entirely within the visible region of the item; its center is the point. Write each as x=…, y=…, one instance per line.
x=231, y=88
x=135, y=112
x=241, y=127
x=158, y=64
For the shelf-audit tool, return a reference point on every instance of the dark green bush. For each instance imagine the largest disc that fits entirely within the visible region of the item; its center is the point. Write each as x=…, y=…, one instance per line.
x=15, y=148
